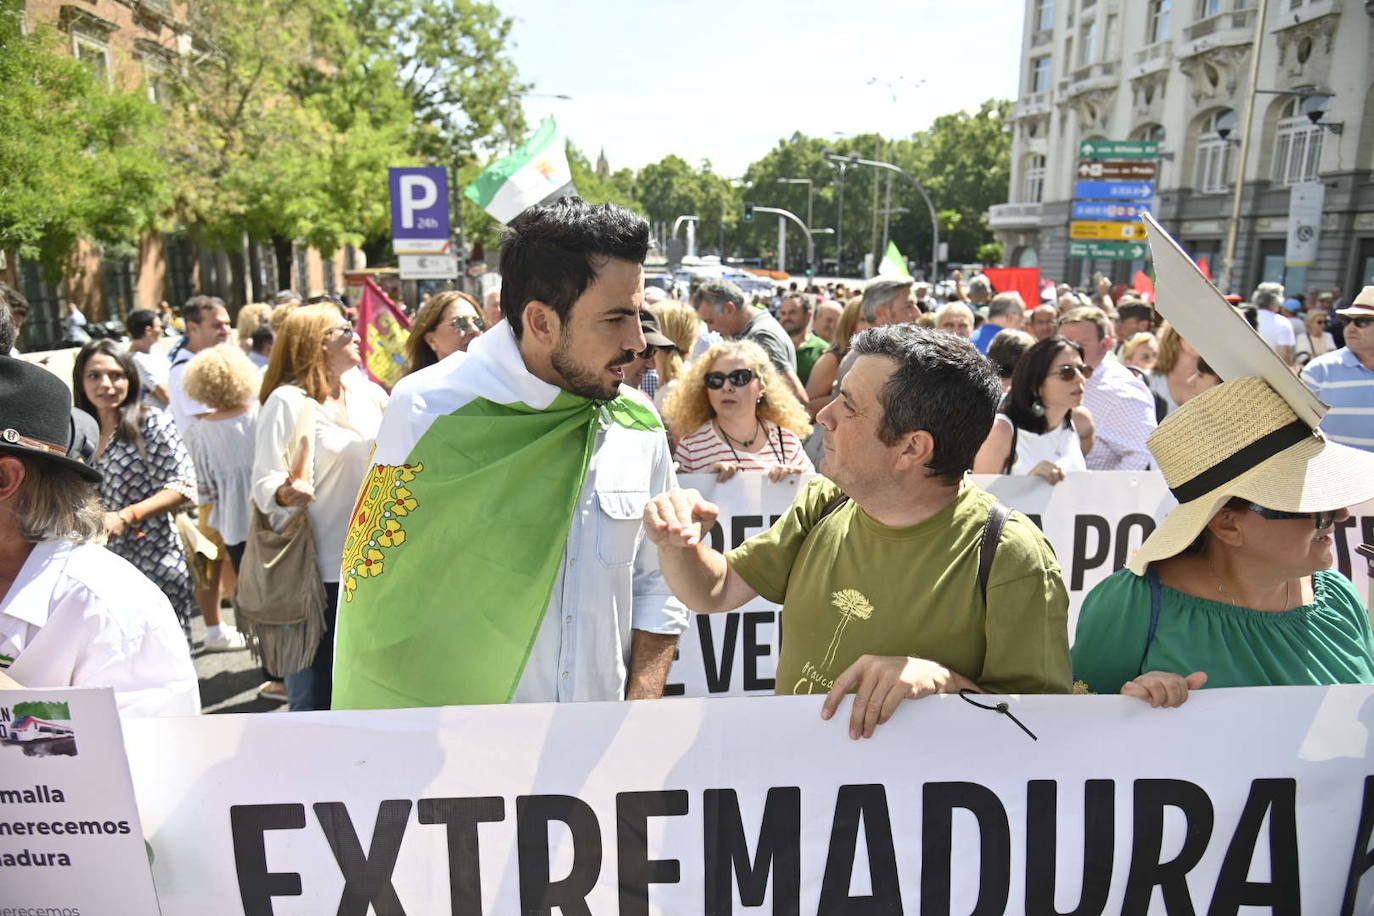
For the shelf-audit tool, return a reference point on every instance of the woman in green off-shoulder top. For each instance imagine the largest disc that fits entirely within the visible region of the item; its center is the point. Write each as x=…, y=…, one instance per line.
x=1235, y=587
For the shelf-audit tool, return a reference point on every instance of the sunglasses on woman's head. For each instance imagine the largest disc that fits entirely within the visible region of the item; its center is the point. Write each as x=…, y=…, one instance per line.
x=1320, y=520
x=1361, y=322
x=739, y=378
x=1067, y=372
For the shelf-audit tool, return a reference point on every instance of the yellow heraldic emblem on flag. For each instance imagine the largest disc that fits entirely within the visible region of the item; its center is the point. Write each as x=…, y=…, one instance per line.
x=377, y=524
x=382, y=330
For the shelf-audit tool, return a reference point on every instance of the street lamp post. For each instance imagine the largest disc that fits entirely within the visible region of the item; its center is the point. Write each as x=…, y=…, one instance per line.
x=806, y=231
x=934, y=221
x=810, y=187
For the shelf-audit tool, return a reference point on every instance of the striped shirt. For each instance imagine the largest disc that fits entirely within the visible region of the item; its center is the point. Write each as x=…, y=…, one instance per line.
x=705, y=448
x=1347, y=384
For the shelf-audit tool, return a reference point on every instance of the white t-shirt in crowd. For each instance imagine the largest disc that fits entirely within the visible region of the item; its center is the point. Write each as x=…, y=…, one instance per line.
x=77, y=615
x=1275, y=329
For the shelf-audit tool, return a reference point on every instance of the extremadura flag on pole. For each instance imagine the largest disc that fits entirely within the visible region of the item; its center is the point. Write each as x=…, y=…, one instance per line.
x=536, y=173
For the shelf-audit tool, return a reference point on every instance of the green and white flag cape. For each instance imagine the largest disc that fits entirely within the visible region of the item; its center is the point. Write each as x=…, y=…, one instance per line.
x=893, y=264
x=460, y=528
x=536, y=173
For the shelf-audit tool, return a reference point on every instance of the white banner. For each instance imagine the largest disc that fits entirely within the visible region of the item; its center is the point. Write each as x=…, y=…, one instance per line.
x=1241, y=798
x=70, y=839
x=1095, y=520
x=1305, y=201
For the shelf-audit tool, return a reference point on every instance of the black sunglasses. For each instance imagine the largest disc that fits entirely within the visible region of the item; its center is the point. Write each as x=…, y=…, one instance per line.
x=739, y=378
x=1068, y=371
x=464, y=323
x=1320, y=520
x=1360, y=322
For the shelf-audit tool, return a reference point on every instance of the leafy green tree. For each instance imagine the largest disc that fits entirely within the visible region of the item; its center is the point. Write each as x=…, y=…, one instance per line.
x=76, y=160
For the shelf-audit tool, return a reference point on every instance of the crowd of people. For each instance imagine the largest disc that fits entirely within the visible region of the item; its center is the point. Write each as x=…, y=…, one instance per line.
x=537, y=435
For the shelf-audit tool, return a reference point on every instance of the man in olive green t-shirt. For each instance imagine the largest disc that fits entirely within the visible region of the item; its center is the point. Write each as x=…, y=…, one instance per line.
x=881, y=592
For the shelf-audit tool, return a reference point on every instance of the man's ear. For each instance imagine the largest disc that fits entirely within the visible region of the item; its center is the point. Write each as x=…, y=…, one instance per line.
x=541, y=322
x=916, y=450
x=11, y=475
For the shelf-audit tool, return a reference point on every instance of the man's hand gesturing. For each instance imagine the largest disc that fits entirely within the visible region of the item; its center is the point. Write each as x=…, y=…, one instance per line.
x=679, y=518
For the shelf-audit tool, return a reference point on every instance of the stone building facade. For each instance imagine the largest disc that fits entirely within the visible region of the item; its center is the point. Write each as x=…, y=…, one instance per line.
x=1178, y=72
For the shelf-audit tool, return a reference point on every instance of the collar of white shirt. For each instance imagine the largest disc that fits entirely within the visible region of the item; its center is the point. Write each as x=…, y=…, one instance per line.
x=36, y=582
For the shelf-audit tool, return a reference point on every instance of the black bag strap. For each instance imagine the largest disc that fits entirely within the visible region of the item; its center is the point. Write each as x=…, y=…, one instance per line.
x=987, y=548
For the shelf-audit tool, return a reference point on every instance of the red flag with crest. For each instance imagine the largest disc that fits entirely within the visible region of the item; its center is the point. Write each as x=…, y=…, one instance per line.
x=382, y=331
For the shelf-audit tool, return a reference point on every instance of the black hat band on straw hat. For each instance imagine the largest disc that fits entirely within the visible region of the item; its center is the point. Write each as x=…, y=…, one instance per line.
x=1262, y=449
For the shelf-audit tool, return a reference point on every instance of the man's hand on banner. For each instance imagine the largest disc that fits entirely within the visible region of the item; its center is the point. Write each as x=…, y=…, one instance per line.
x=884, y=681
x=1164, y=688
x=679, y=518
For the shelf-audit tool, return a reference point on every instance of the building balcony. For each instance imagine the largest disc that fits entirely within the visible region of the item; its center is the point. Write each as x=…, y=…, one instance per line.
x=1153, y=57
x=1101, y=75
x=1027, y=106
x=1014, y=216
x=1235, y=27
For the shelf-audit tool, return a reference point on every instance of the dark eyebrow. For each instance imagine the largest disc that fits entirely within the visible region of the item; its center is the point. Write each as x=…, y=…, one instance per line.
x=619, y=311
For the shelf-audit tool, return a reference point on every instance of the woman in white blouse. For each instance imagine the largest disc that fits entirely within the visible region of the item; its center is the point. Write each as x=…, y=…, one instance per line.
x=1042, y=427
x=314, y=351
x=1316, y=339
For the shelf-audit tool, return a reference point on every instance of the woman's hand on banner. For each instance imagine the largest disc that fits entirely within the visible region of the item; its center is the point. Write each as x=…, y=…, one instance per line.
x=1164, y=688
x=679, y=518
x=1049, y=471
x=884, y=681
x=780, y=471
x=724, y=470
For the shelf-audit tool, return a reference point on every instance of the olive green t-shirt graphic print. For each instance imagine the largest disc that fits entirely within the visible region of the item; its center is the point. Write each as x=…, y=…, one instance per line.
x=850, y=586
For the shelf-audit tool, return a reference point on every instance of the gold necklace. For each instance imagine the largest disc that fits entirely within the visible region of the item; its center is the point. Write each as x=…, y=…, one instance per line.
x=1221, y=586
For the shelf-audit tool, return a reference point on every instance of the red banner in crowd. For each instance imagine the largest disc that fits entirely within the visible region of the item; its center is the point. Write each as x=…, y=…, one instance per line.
x=1023, y=280
x=382, y=331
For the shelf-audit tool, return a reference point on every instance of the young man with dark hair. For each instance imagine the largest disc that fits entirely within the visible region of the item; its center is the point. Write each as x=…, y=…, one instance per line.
x=207, y=325
x=507, y=493
x=145, y=330
x=880, y=569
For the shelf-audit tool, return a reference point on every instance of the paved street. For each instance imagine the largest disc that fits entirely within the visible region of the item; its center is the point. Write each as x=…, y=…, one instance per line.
x=229, y=681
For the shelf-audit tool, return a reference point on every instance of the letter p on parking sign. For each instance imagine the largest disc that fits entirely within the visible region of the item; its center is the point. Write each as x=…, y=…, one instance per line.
x=419, y=210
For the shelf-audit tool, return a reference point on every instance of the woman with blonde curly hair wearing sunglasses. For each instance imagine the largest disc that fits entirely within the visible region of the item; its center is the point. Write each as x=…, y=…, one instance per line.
x=732, y=412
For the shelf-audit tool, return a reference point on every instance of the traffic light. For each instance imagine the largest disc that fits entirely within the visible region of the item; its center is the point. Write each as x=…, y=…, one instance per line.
x=748, y=212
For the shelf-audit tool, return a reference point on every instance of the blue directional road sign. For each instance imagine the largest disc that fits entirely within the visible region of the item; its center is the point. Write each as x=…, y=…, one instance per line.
x=1113, y=190
x=419, y=209
x=1109, y=210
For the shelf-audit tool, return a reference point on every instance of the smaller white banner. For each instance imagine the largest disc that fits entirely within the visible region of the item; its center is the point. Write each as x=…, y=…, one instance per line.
x=70, y=838
x=1305, y=202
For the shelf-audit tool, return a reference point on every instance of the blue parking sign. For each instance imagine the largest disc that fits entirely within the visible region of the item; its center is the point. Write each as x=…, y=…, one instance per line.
x=419, y=207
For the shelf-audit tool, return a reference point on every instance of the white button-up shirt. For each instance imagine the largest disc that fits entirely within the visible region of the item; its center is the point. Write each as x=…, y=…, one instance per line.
x=79, y=616
x=609, y=582
x=1124, y=413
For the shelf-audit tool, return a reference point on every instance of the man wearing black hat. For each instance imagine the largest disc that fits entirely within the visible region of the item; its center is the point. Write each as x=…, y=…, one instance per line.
x=72, y=614
x=641, y=374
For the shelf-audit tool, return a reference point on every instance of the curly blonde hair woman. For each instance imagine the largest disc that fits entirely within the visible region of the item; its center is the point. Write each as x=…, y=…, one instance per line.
x=445, y=324
x=732, y=412
x=679, y=323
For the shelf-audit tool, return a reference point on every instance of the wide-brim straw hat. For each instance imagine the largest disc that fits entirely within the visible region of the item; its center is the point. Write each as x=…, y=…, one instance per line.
x=1242, y=439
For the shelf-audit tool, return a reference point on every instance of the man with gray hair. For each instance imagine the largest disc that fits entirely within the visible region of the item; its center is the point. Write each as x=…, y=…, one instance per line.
x=890, y=300
x=1006, y=310
x=1273, y=327
x=726, y=310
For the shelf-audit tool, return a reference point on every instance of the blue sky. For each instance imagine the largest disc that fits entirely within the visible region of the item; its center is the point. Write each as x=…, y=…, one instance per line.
x=710, y=79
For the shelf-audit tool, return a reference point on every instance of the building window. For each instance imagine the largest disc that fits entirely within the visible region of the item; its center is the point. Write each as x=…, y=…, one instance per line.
x=1297, y=147
x=1208, y=8
x=1215, y=163
x=1033, y=180
x=1040, y=74
x=1159, y=19
x=1087, y=43
x=1044, y=15
x=94, y=54
x=1153, y=133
